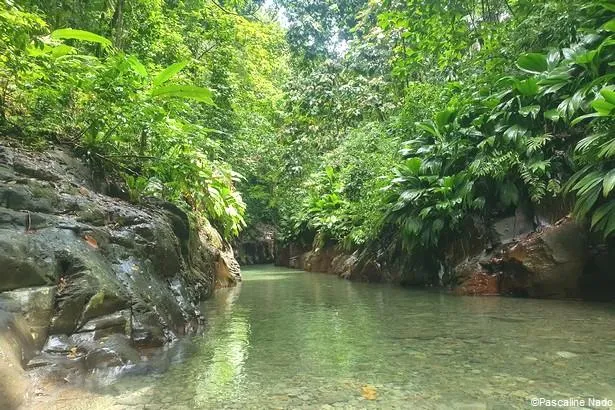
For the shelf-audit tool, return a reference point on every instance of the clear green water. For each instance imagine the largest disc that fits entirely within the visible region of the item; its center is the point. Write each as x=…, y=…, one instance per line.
x=290, y=339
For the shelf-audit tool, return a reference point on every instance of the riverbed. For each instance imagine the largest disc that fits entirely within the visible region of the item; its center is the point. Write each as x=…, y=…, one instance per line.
x=292, y=339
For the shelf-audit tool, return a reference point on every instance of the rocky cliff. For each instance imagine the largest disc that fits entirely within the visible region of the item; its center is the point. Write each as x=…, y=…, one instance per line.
x=87, y=280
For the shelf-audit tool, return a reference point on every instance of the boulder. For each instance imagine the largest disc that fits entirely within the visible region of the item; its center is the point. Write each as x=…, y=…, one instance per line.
x=506, y=230
x=35, y=305
x=16, y=347
x=548, y=263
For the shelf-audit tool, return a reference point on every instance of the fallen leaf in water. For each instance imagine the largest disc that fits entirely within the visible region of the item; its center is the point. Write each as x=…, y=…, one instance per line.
x=73, y=352
x=91, y=241
x=368, y=392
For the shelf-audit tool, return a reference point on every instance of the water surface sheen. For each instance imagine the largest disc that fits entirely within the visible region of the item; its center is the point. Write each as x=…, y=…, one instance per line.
x=291, y=339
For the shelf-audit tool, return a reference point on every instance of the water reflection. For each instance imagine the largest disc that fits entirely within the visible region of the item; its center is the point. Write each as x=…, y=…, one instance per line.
x=228, y=338
x=299, y=340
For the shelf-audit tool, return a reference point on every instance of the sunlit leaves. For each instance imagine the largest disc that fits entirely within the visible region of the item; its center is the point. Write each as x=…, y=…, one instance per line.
x=168, y=73
x=192, y=92
x=81, y=35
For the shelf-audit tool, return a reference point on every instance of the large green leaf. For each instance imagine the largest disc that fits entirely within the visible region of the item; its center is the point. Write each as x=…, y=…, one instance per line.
x=527, y=87
x=81, y=35
x=184, y=91
x=601, y=213
x=137, y=66
x=533, y=63
x=169, y=72
x=608, y=94
x=531, y=110
x=603, y=107
x=608, y=183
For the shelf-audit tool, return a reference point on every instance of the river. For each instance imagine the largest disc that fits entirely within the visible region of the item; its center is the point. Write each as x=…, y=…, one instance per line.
x=292, y=339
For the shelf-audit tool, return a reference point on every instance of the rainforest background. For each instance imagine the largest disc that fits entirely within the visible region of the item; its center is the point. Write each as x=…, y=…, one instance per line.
x=381, y=127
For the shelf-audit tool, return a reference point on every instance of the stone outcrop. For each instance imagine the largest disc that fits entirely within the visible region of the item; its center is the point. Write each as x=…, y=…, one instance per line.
x=256, y=245
x=93, y=278
x=518, y=255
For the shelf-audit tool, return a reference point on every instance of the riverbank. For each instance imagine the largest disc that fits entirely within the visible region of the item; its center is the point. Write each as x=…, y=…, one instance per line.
x=549, y=255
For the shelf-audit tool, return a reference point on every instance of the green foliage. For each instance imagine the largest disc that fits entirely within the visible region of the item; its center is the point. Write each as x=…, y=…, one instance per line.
x=142, y=99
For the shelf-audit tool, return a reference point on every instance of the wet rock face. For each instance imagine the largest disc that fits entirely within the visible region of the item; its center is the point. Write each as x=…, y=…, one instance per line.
x=77, y=263
x=549, y=263
x=256, y=245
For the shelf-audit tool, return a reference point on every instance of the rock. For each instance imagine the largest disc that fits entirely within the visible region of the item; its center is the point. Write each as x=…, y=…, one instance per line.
x=548, y=263
x=476, y=281
x=118, y=322
x=114, y=351
x=15, y=348
x=36, y=306
x=506, y=230
x=23, y=261
x=84, y=268
x=567, y=355
x=57, y=344
x=256, y=245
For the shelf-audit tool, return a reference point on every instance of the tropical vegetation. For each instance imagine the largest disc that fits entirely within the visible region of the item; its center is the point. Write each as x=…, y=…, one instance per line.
x=375, y=125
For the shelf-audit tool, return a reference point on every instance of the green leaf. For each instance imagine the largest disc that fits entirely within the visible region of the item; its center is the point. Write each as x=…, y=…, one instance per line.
x=584, y=117
x=609, y=95
x=445, y=117
x=609, y=5
x=169, y=72
x=531, y=110
x=62, y=50
x=137, y=66
x=609, y=25
x=533, y=63
x=527, y=87
x=429, y=127
x=82, y=35
x=514, y=132
x=552, y=115
x=602, y=212
x=185, y=91
x=603, y=107
x=608, y=183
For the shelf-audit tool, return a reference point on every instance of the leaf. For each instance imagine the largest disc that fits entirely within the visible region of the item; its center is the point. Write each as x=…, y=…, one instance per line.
x=137, y=66
x=185, y=91
x=62, y=50
x=533, y=63
x=429, y=127
x=445, y=117
x=514, y=132
x=552, y=115
x=527, y=87
x=169, y=72
x=609, y=95
x=368, y=392
x=584, y=117
x=91, y=241
x=609, y=25
x=608, y=183
x=531, y=110
x=603, y=107
x=82, y=35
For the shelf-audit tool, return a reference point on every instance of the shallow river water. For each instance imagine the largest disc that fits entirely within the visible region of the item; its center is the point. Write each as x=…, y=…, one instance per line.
x=291, y=339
